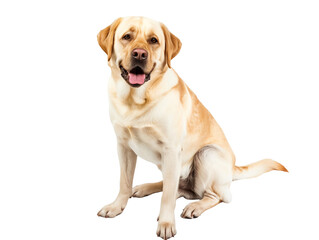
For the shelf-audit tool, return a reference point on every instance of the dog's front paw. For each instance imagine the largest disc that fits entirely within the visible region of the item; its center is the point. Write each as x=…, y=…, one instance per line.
x=111, y=210
x=166, y=230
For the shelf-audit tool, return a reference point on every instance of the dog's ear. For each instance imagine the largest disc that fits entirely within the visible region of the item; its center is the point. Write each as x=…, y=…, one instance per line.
x=172, y=45
x=106, y=37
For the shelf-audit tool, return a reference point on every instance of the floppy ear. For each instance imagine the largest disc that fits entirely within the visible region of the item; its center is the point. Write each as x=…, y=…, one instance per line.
x=106, y=38
x=172, y=45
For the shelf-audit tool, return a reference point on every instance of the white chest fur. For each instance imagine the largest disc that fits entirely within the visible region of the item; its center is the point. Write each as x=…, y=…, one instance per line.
x=145, y=143
x=149, y=127
x=139, y=130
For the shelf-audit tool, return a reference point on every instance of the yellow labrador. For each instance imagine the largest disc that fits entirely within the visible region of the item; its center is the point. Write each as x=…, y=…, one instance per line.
x=158, y=118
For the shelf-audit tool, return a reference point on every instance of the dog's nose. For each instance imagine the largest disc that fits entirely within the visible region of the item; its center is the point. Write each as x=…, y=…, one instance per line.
x=139, y=54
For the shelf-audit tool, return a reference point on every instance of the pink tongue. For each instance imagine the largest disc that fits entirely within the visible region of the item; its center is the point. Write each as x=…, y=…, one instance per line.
x=136, y=78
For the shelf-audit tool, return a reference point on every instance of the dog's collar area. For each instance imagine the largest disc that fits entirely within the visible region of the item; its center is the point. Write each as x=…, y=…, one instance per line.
x=137, y=73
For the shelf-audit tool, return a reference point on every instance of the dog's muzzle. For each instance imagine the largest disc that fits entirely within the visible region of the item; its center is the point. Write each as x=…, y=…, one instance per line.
x=136, y=77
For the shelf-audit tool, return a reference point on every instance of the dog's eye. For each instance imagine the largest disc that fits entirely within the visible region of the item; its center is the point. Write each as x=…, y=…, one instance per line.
x=126, y=37
x=154, y=40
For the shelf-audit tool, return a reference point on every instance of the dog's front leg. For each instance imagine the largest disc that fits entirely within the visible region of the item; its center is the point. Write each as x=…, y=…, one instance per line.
x=127, y=160
x=171, y=166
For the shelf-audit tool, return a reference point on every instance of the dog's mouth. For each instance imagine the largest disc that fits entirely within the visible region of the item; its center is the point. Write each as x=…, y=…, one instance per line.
x=136, y=77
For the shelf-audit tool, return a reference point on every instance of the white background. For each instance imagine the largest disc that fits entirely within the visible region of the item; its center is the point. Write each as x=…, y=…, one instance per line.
x=254, y=65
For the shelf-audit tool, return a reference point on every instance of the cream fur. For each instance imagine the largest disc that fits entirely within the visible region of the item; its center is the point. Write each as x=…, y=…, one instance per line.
x=163, y=122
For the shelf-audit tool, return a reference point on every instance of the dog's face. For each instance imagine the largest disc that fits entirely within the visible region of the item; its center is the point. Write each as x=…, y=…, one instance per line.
x=138, y=48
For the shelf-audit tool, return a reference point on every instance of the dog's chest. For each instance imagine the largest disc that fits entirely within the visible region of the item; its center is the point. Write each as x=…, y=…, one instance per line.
x=144, y=141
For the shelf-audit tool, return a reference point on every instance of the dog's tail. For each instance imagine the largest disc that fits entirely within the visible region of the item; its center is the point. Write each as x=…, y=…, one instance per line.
x=256, y=169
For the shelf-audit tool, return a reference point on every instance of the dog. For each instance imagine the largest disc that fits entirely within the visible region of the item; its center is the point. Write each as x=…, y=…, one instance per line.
x=157, y=117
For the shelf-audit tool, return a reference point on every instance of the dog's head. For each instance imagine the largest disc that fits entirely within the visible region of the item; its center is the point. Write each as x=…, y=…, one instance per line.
x=138, y=48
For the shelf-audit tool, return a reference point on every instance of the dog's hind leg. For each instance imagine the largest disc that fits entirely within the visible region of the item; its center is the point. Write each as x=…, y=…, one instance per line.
x=146, y=189
x=212, y=179
x=195, y=209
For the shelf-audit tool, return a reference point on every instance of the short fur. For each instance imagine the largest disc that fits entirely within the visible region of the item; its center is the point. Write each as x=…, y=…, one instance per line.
x=163, y=121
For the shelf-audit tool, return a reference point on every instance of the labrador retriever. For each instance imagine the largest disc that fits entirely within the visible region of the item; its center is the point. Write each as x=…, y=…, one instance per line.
x=157, y=117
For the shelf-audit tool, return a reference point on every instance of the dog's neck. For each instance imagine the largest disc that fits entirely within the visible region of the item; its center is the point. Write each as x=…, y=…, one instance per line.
x=146, y=93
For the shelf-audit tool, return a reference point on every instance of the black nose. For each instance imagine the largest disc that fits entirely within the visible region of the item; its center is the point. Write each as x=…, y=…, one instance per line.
x=139, y=54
